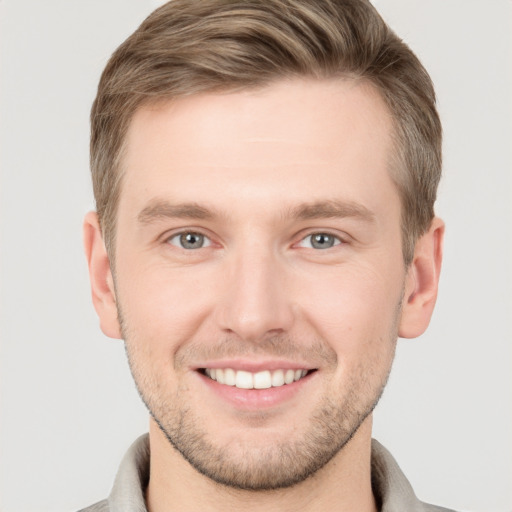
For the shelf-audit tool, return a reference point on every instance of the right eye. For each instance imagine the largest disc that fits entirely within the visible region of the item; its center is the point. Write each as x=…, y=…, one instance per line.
x=189, y=240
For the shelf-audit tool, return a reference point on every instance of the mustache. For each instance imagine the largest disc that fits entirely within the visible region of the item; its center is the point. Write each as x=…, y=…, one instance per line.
x=316, y=352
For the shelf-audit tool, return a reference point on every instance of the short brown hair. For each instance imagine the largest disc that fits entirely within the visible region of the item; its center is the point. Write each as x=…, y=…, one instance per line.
x=191, y=46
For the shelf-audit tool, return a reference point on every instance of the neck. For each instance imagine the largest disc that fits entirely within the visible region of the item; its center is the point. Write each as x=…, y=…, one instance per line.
x=343, y=484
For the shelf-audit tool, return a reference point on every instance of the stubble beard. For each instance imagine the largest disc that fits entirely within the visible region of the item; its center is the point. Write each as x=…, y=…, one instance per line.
x=277, y=464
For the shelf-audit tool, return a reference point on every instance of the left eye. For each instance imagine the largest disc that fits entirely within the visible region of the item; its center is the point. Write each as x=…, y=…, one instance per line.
x=320, y=241
x=189, y=240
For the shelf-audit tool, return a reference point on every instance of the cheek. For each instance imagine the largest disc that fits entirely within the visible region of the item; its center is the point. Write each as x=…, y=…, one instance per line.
x=353, y=308
x=163, y=305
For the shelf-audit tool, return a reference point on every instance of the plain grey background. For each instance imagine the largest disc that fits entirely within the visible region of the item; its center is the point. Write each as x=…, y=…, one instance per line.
x=68, y=406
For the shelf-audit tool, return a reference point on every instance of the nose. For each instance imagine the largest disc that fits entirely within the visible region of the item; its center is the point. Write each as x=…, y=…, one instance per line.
x=255, y=302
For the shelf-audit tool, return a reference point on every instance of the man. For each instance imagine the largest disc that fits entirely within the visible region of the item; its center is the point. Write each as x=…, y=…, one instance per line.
x=265, y=174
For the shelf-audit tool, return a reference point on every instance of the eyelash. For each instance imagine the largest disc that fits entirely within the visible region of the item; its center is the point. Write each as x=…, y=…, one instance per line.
x=336, y=240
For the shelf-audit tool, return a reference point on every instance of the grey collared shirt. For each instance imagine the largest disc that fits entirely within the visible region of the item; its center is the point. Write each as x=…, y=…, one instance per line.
x=390, y=486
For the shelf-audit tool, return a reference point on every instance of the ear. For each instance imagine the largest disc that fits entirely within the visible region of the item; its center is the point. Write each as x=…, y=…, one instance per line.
x=100, y=275
x=422, y=282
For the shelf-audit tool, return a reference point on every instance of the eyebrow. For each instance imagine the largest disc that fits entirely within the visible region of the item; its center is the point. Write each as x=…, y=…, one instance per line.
x=332, y=209
x=161, y=209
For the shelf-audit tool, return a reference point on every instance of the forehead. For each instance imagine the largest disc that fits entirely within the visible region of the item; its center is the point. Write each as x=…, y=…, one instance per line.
x=296, y=136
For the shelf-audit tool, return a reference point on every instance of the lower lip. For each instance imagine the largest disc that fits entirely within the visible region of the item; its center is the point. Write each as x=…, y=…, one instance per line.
x=256, y=399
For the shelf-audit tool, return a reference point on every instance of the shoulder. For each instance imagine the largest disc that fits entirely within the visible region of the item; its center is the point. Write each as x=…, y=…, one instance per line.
x=390, y=486
x=101, y=506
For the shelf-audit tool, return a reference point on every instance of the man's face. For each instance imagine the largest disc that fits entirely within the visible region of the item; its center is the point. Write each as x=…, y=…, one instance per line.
x=258, y=242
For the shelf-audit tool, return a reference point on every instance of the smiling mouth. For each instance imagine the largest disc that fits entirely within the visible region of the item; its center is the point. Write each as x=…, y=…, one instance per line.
x=260, y=380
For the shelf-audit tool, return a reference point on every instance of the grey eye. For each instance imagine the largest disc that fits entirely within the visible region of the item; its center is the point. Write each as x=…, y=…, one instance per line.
x=320, y=241
x=189, y=240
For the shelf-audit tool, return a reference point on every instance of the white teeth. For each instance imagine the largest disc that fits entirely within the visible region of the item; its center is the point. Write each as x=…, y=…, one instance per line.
x=289, y=376
x=277, y=378
x=260, y=380
x=244, y=380
x=229, y=377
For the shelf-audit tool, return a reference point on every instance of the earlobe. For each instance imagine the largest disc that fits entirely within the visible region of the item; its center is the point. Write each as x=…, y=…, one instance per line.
x=422, y=282
x=100, y=275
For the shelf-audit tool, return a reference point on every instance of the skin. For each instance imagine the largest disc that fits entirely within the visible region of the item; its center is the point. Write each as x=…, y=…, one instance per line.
x=257, y=173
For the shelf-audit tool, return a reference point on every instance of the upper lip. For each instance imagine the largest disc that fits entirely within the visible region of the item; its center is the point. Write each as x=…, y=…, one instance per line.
x=255, y=366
